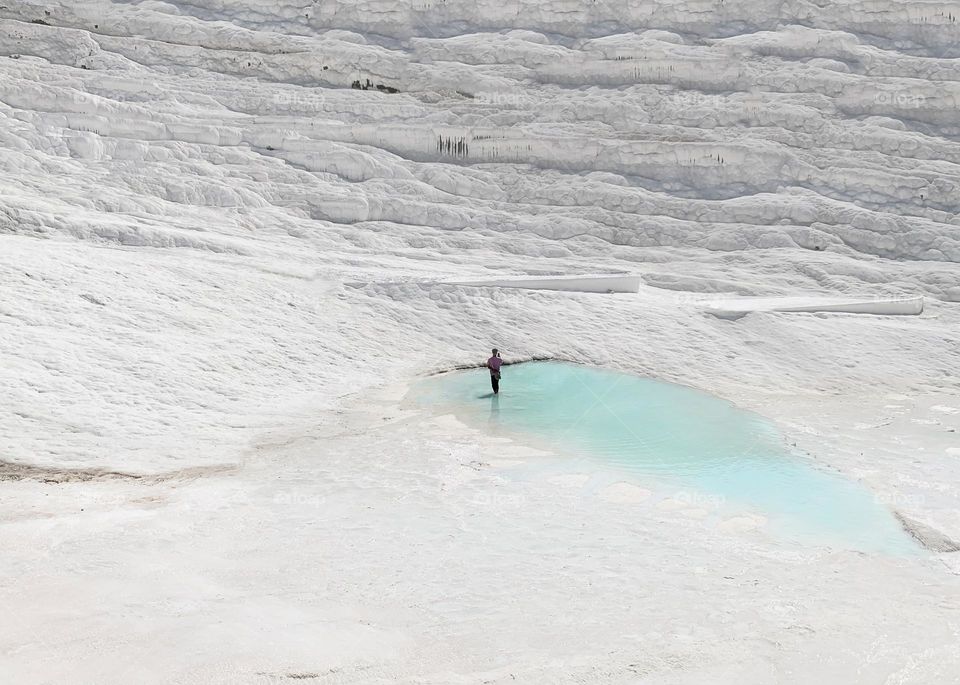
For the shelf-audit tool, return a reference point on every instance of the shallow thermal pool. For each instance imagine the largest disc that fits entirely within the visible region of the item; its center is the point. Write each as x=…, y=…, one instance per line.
x=675, y=441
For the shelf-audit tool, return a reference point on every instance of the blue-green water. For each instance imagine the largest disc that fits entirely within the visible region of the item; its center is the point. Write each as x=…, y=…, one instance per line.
x=671, y=437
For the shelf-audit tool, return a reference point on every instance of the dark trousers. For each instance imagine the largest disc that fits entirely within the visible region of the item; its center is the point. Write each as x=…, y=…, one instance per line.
x=495, y=381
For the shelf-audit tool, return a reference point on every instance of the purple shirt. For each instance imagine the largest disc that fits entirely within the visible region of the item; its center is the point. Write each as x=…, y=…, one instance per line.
x=494, y=363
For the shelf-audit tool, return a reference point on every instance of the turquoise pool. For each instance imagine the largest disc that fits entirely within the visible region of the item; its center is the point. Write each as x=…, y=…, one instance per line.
x=672, y=438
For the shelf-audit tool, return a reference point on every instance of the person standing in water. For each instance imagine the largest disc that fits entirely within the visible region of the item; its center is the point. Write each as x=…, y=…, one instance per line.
x=494, y=364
